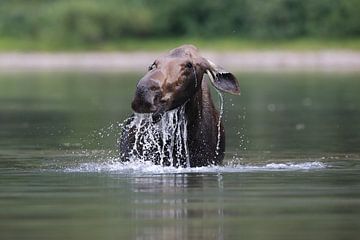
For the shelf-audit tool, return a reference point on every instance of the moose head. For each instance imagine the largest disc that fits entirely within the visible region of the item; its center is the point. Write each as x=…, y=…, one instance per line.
x=176, y=82
x=174, y=78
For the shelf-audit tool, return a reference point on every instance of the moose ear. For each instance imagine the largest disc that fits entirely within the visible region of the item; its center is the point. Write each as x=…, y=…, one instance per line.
x=222, y=79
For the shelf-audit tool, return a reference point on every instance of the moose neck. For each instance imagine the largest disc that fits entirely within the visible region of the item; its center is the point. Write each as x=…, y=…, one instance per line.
x=206, y=143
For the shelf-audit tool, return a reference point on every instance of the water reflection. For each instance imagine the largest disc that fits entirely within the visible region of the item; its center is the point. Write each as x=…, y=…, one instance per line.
x=176, y=206
x=301, y=119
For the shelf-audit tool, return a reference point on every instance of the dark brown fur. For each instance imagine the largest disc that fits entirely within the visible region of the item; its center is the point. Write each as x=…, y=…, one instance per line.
x=176, y=79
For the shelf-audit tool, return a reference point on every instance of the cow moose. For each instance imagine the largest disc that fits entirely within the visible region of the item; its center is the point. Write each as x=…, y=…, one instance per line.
x=176, y=81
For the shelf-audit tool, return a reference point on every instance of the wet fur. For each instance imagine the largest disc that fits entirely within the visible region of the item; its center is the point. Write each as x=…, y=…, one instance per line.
x=201, y=114
x=203, y=129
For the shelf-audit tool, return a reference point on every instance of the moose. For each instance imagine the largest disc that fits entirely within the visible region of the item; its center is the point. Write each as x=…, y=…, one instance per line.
x=176, y=80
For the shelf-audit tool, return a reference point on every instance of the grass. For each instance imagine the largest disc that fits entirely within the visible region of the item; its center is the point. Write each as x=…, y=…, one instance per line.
x=152, y=44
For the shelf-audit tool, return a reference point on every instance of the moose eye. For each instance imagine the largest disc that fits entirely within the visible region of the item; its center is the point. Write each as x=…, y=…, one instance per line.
x=152, y=66
x=189, y=65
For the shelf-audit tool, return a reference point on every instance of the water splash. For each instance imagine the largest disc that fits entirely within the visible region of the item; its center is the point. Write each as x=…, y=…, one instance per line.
x=221, y=98
x=163, y=142
x=147, y=167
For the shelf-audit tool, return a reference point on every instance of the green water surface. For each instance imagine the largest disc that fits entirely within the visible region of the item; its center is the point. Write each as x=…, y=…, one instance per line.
x=51, y=124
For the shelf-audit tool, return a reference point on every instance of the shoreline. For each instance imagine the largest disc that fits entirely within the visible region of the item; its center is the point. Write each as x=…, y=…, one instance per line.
x=260, y=61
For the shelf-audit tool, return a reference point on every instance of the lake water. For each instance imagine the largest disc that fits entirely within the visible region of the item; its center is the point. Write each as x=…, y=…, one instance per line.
x=292, y=167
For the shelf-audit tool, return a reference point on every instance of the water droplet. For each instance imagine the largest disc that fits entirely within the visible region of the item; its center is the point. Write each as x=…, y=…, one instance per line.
x=307, y=102
x=271, y=107
x=300, y=126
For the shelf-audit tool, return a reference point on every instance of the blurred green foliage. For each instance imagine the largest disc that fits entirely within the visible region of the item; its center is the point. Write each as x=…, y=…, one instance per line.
x=93, y=21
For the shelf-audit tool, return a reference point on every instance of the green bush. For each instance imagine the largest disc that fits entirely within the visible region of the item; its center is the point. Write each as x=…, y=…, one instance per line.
x=92, y=21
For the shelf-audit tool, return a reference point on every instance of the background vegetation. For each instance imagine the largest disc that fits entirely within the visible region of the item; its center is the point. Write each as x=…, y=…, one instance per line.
x=88, y=24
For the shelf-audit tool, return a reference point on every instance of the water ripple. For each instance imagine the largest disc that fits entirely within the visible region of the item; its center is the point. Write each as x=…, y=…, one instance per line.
x=150, y=168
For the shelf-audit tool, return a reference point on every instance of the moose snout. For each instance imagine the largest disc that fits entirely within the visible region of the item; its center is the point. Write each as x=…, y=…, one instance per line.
x=147, y=97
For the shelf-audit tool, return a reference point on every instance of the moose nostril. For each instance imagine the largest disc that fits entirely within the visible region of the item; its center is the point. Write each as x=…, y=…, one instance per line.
x=147, y=96
x=140, y=92
x=158, y=98
x=142, y=105
x=146, y=100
